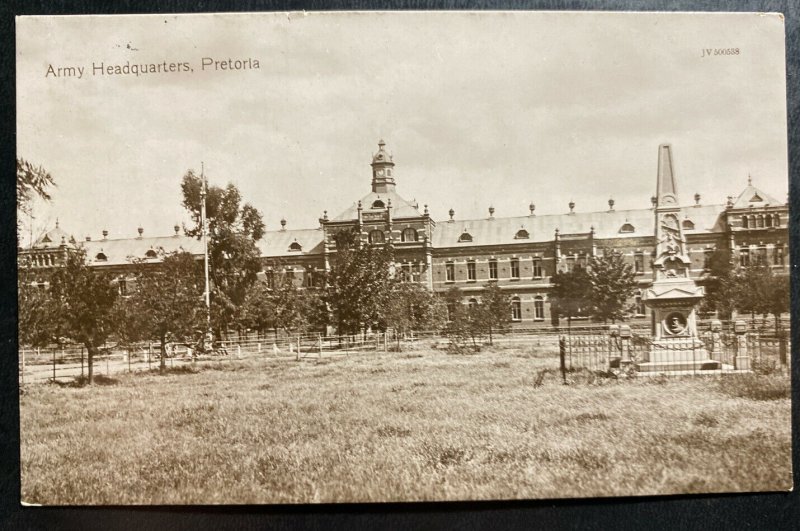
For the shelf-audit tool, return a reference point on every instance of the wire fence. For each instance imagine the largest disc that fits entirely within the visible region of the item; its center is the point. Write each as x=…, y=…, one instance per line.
x=598, y=348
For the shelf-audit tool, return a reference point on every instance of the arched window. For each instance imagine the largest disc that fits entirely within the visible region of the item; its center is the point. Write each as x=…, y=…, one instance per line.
x=150, y=254
x=768, y=220
x=100, y=257
x=745, y=224
x=408, y=235
x=627, y=227
x=522, y=234
x=294, y=246
x=760, y=220
x=473, y=304
x=639, y=304
x=376, y=236
x=777, y=220
x=516, y=309
x=378, y=204
x=688, y=224
x=538, y=307
x=465, y=237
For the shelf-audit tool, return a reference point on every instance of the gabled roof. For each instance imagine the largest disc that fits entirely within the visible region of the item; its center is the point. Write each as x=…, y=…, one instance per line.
x=752, y=196
x=54, y=238
x=400, y=207
x=609, y=224
x=120, y=251
x=279, y=242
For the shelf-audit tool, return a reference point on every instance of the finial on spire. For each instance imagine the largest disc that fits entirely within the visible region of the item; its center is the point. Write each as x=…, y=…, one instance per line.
x=749, y=180
x=56, y=222
x=381, y=143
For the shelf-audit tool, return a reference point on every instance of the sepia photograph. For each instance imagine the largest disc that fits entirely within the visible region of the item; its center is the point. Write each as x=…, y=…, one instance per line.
x=338, y=257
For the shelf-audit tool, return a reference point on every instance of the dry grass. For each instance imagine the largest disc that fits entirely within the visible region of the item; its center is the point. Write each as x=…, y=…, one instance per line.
x=419, y=426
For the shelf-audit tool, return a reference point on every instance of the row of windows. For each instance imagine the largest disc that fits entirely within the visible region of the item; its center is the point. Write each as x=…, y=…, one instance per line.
x=760, y=221
x=516, y=308
x=408, y=235
x=450, y=269
x=101, y=257
x=759, y=256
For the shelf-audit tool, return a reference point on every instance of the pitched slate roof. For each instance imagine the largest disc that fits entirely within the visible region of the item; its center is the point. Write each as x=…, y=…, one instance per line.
x=120, y=251
x=279, y=242
x=54, y=238
x=400, y=207
x=609, y=224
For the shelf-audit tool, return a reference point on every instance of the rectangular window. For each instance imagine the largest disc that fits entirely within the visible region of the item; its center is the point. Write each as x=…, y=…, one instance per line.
x=515, y=268
x=538, y=308
x=270, y=279
x=122, y=286
x=406, y=273
x=707, y=258
x=777, y=255
x=471, y=270
x=493, y=269
x=516, y=310
x=451, y=271
x=582, y=261
x=761, y=256
x=744, y=257
x=638, y=263
x=537, y=268
x=309, y=278
x=570, y=263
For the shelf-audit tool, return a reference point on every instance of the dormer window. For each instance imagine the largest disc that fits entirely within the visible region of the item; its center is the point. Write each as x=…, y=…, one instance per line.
x=294, y=246
x=150, y=254
x=465, y=237
x=626, y=228
x=756, y=199
x=688, y=224
x=522, y=234
x=378, y=204
x=100, y=257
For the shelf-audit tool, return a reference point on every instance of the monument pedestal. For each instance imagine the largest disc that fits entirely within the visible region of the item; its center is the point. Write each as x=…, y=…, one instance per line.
x=685, y=354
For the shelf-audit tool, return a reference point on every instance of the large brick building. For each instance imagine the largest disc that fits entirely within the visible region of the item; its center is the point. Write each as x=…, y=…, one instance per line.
x=520, y=253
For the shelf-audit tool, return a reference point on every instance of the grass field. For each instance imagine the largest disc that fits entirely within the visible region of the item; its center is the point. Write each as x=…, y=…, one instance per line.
x=400, y=427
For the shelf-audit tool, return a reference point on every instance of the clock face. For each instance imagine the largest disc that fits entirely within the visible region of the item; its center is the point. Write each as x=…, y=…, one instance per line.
x=380, y=173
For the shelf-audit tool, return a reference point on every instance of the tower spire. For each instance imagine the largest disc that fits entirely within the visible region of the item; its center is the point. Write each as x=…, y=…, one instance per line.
x=382, y=168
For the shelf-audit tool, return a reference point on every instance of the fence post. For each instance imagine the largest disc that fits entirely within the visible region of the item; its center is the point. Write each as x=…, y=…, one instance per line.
x=238, y=351
x=54, y=365
x=319, y=344
x=149, y=355
x=385, y=348
x=22, y=374
x=625, y=336
x=128, y=355
x=716, y=330
x=741, y=361
x=782, y=348
x=107, y=356
x=298, y=348
x=81, y=362
x=562, y=355
x=259, y=348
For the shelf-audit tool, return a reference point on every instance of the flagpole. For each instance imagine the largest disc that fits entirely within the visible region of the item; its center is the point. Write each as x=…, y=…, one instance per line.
x=207, y=293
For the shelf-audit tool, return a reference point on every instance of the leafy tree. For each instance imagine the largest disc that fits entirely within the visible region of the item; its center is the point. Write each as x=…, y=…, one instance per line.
x=358, y=284
x=613, y=283
x=463, y=321
x=37, y=321
x=571, y=295
x=759, y=291
x=720, y=285
x=84, y=299
x=167, y=304
x=494, y=311
x=32, y=181
x=234, y=259
x=413, y=308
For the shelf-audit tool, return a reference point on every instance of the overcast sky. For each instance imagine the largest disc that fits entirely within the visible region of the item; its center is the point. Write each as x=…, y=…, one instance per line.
x=477, y=109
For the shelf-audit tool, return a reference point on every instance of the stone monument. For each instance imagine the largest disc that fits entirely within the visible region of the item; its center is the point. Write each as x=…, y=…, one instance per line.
x=673, y=296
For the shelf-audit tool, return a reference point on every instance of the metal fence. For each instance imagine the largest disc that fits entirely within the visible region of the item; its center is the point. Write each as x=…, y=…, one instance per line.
x=718, y=348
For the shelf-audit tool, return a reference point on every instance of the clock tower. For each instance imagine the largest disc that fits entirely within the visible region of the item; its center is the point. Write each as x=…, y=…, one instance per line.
x=382, y=169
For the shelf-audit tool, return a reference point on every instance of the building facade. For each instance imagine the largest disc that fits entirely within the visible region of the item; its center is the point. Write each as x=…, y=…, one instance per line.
x=519, y=253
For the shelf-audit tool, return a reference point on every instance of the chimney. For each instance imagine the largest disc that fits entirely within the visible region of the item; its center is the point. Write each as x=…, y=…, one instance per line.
x=140, y=230
x=283, y=224
x=105, y=234
x=491, y=212
x=571, y=207
x=176, y=228
x=696, y=199
x=610, y=204
x=88, y=238
x=532, y=207
x=452, y=213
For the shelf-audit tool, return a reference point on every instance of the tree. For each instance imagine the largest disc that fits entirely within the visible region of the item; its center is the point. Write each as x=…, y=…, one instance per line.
x=413, y=308
x=494, y=311
x=358, y=284
x=167, y=303
x=463, y=321
x=37, y=321
x=32, y=181
x=84, y=299
x=613, y=283
x=760, y=291
x=571, y=295
x=234, y=259
x=720, y=285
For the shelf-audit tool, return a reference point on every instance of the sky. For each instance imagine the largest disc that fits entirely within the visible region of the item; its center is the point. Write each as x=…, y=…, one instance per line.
x=478, y=109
